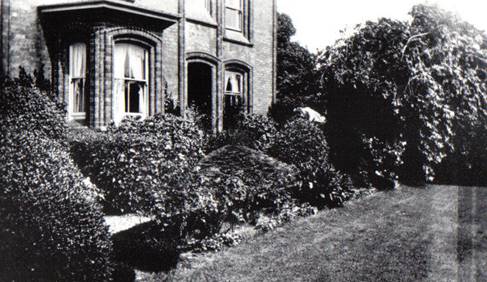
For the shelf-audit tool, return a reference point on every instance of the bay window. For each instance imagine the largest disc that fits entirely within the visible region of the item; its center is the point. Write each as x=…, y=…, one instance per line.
x=130, y=81
x=77, y=81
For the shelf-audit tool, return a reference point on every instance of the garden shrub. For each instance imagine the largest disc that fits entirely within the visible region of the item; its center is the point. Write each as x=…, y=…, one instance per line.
x=138, y=164
x=181, y=135
x=52, y=226
x=250, y=130
x=27, y=109
x=247, y=183
x=397, y=93
x=302, y=143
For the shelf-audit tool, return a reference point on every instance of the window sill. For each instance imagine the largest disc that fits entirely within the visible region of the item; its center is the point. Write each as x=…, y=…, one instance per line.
x=237, y=38
x=202, y=20
x=78, y=116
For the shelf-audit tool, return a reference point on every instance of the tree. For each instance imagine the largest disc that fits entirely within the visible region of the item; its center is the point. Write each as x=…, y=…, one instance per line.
x=295, y=71
x=398, y=93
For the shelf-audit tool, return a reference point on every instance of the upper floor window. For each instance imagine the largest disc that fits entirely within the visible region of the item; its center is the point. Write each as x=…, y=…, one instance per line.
x=200, y=9
x=130, y=80
x=234, y=11
x=77, y=80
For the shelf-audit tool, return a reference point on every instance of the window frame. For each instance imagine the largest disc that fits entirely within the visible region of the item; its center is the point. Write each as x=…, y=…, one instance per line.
x=240, y=12
x=73, y=113
x=145, y=83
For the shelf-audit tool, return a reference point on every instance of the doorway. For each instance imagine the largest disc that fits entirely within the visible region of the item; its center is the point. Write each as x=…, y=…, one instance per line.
x=200, y=89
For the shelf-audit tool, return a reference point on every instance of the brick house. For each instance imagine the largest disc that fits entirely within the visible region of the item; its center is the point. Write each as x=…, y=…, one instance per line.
x=109, y=59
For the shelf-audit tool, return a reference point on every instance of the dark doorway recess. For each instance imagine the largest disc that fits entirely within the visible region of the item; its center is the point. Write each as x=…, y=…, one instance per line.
x=200, y=89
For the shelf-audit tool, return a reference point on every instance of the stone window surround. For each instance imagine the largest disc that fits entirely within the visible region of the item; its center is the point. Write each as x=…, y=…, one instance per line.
x=247, y=71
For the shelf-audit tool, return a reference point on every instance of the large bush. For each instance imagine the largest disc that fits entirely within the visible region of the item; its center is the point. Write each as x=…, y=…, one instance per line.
x=247, y=183
x=138, y=164
x=181, y=135
x=397, y=93
x=52, y=226
x=303, y=144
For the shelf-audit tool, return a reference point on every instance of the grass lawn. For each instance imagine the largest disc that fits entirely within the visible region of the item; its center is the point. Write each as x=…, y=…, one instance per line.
x=437, y=234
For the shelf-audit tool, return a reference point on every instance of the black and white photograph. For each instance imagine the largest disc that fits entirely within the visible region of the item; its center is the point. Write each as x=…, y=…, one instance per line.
x=243, y=140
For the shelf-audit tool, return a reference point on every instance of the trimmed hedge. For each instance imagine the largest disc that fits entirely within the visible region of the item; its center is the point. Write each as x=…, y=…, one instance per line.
x=139, y=164
x=302, y=143
x=180, y=136
x=52, y=227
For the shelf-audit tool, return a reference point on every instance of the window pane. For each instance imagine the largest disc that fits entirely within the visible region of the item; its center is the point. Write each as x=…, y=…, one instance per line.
x=134, y=92
x=229, y=84
x=235, y=4
x=78, y=99
x=233, y=19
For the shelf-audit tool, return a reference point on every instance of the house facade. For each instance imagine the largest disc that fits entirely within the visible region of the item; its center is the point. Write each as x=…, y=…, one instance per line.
x=111, y=59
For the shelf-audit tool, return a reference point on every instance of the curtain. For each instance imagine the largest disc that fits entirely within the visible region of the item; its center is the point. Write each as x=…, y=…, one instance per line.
x=129, y=61
x=137, y=62
x=77, y=73
x=233, y=83
x=77, y=60
x=118, y=100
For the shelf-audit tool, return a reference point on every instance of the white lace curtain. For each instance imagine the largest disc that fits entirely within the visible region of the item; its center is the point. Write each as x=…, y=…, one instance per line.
x=129, y=61
x=77, y=60
x=77, y=73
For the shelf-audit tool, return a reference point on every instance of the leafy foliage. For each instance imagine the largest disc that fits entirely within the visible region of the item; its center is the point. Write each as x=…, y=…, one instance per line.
x=253, y=131
x=247, y=183
x=28, y=109
x=303, y=144
x=466, y=166
x=295, y=72
x=52, y=226
x=396, y=93
x=139, y=163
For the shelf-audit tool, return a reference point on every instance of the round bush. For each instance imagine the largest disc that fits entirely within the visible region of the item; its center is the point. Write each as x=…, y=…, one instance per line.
x=247, y=182
x=52, y=226
x=302, y=143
